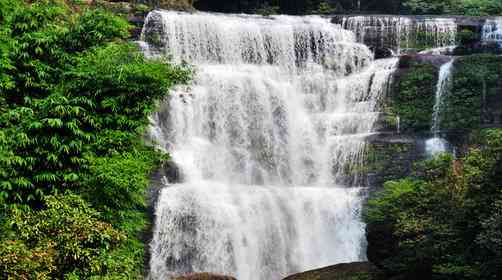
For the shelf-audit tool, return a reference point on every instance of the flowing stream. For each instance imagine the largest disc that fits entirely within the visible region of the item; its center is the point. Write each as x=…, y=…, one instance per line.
x=436, y=144
x=492, y=31
x=269, y=137
x=402, y=32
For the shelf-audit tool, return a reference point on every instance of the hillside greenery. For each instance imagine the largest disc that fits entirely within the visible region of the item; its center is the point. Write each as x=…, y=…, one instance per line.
x=476, y=87
x=471, y=101
x=445, y=222
x=459, y=7
x=74, y=105
x=412, y=97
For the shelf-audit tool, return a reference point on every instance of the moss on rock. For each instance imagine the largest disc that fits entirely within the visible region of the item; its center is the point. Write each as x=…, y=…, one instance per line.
x=475, y=98
x=413, y=94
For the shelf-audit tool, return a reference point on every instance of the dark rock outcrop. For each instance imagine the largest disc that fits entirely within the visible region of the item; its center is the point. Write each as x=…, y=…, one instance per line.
x=168, y=173
x=436, y=60
x=381, y=244
x=345, y=271
x=390, y=156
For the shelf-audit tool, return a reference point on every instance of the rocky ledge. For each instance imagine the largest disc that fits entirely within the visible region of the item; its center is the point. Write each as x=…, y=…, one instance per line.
x=459, y=20
x=345, y=271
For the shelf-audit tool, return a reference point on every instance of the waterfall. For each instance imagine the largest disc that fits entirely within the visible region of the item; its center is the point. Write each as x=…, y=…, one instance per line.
x=492, y=31
x=398, y=32
x=269, y=137
x=384, y=31
x=437, y=144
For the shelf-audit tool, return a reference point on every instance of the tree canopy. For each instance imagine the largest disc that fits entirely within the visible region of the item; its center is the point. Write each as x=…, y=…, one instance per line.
x=298, y=7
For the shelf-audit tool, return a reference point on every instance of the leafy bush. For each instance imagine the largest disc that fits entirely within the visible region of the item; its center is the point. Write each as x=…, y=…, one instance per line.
x=71, y=100
x=74, y=104
x=120, y=181
x=461, y=7
x=64, y=237
x=325, y=8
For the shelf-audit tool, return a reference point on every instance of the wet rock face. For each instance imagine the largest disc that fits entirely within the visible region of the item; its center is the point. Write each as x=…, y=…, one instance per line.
x=381, y=52
x=435, y=60
x=154, y=30
x=391, y=156
x=347, y=271
x=204, y=276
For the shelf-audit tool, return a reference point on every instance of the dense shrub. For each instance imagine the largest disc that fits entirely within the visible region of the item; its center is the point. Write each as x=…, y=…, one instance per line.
x=68, y=103
x=460, y=7
x=74, y=104
x=65, y=237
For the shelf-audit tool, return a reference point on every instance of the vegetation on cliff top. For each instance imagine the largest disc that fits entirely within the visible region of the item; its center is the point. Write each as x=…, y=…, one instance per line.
x=459, y=7
x=74, y=104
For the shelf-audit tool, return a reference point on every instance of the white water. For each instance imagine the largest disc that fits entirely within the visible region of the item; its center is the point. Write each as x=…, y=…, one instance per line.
x=390, y=31
x=437, y=144
x=277, y=114
x=398, y=32
x=492, y=31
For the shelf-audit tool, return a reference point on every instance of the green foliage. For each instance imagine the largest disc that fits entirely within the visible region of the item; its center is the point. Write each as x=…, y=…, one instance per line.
x=267, y=10
x=413, y=97
x=473, y=98
x=475, y=82
x=74, y=105
x=478, y=7
x=64, y=237
x=119, y=181
x=384, y=203
x=461, y=7
x=95, y=27
x=447, y=223
x=466, y=36
x=325, y=8
x=430, y=6
x=71, y=100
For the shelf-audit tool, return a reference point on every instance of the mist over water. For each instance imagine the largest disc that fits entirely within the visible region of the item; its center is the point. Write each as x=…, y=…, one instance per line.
x=269, y=137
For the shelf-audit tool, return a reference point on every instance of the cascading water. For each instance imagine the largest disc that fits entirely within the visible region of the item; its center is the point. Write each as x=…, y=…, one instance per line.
x=268, y=137
x=436, y=144
x=386, y=31
x=492, y=31
x=398, y=32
